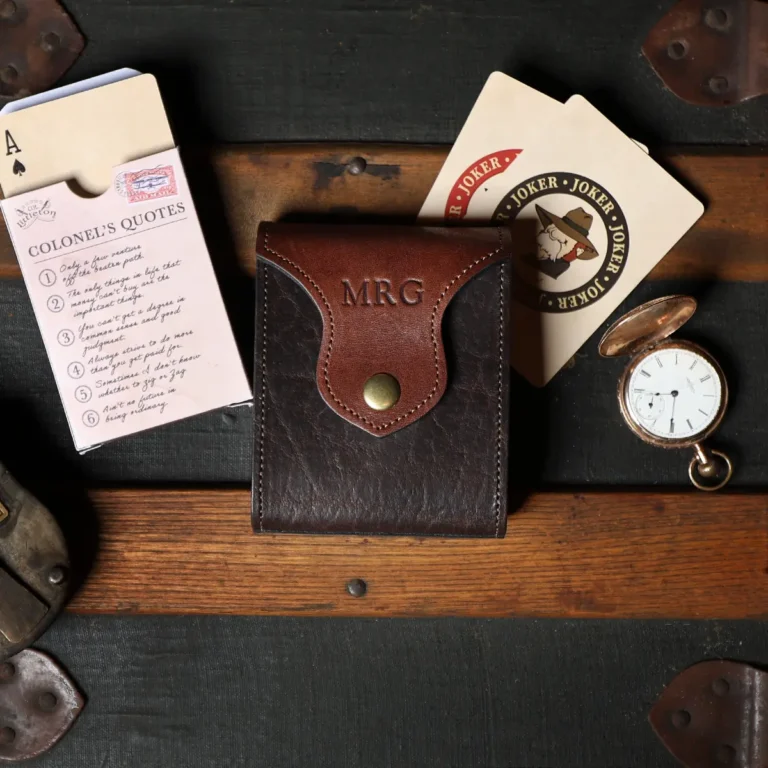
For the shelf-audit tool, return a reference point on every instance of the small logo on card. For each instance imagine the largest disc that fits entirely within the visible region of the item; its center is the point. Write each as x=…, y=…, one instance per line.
x=149, y=184
x=571, y=240
x=30, y=212
x=473, y=178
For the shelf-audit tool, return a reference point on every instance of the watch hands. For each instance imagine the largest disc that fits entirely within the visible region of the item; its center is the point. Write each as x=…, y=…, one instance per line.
x=674, y=394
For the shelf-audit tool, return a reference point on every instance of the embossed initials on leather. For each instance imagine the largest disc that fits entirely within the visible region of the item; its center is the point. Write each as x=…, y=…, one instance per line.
x=383, y=297
x=398, y=328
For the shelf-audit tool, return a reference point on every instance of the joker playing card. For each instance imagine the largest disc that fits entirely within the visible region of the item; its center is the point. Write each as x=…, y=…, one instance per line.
x=591, y=214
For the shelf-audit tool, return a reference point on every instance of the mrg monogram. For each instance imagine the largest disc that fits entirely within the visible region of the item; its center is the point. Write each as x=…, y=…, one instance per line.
x=381, y=292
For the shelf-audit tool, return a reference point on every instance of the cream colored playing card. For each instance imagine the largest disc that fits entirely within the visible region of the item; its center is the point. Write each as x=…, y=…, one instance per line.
x=83, y=136
x=591, y=215
x=505, y=119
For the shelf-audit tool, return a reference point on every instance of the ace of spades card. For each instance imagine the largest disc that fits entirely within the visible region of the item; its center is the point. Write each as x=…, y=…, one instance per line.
x=591, y=214
x=11, y=150
x=104, y=227
x=83, y=136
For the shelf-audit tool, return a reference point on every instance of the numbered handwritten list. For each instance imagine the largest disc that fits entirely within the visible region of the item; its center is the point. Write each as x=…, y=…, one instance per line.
x=127, y=301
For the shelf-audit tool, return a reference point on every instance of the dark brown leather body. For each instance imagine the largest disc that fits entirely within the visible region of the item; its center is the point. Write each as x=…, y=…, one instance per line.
x=445, y=472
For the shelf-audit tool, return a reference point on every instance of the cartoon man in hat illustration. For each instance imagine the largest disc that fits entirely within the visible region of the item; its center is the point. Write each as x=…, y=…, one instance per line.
x=561, y=241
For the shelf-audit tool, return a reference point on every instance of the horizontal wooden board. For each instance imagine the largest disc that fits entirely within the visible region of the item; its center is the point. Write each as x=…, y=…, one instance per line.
x=643, y=555
x=236, y=187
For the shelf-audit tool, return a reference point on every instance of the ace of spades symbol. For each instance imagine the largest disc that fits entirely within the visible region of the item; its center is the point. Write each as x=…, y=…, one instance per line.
x=12, y=148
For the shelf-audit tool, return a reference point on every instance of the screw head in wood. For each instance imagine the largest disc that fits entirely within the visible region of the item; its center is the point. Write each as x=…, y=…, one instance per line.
x=357, y=587
x=356, y=166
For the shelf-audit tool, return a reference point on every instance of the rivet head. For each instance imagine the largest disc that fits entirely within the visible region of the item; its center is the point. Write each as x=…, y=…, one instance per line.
x=50, y=42
x=7, y=9
x=356, y=166
x=47, y=702
x=357, y=587
x=725, y=754
x=7, y=736
x=718, y=84
x=7, y=671
x=720, y=687
x=717, y=18
x=677, y=49
x=9, y=74
x=57, y=575
x=381, y=391
x=681, y=719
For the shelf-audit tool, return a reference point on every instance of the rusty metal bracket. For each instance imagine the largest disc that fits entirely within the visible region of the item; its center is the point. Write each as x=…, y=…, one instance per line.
x=39, y=42
x=714, y=714
x=34, y=567
x=38, y=705
x=712, y=54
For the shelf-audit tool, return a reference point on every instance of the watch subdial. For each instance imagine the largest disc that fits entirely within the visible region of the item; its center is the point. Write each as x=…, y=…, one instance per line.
x=649, y=406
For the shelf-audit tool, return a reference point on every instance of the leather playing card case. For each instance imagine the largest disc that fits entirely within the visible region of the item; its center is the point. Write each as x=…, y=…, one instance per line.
x=428, y=307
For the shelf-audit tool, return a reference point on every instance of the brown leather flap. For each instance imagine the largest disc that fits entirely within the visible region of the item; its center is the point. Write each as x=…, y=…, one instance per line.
x=382, y=292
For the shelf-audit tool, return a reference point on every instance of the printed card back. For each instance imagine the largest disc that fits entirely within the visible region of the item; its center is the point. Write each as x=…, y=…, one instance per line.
x=591, y=215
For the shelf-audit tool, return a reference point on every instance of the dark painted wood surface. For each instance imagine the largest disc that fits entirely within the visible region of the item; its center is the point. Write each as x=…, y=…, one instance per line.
x=391, y=70
x=286, y=693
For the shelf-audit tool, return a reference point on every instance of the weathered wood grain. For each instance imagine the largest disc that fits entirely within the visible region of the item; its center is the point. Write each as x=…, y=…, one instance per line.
x=642, y=555
x=260, y=182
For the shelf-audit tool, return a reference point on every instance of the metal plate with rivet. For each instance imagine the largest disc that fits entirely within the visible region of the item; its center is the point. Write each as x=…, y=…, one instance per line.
x=38, y=705
x=34, y=567
x=714, y=714
x=39, y=42
x=712, y=54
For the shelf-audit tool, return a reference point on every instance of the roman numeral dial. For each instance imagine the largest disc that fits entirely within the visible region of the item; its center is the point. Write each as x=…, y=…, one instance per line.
x=673, y=393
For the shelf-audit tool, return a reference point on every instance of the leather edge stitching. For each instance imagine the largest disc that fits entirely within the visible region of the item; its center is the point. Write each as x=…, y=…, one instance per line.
x=327, y=361
x=263, y=405
x=499, y=409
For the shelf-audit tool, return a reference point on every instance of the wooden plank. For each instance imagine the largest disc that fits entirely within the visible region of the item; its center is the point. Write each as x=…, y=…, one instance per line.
x=260, y=182
x=642, y=555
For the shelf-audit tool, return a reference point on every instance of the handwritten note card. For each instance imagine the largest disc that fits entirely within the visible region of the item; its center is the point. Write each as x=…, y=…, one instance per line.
x=127, y=301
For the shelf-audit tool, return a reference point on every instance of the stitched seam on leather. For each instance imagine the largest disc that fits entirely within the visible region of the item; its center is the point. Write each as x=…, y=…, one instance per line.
x=263, y=404
x=327, y=361
x=499, y=408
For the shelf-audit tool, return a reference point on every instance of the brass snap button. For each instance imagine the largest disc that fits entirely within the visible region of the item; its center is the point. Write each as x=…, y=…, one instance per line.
x=381, y=391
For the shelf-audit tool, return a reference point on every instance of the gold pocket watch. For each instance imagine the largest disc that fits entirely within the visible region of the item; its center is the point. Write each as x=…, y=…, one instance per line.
x=672, y=394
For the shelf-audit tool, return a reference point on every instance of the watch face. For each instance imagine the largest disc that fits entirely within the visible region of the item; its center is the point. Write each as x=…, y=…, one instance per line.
x=674, y=393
